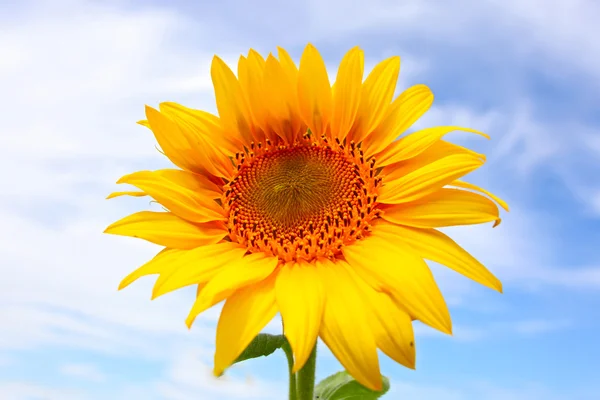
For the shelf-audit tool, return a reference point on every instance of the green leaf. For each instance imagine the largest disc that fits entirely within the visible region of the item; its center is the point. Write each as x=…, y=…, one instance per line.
x=262, y=345
x=342, y=386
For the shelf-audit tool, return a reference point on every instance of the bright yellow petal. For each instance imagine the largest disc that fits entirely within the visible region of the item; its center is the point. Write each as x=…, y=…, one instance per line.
x=197, y=266
x=395, y=336
x=185, y=147
x=291, y=71
x=199, y=288
x=414, y=144
x=412, y=184
x=391, y=325
x=246, y=271
x=187, y=195
x=144, y=122
x=166, y=229
x=404, y=111
x=436, y=246
x=126, y=193
x=394, y=268
x=250, y=75
x=200, y=137
x=234, y=112
x=345, y=328
x=160, y=263
x=207, y=125
x=446, y=207
x=300, y=298
x=314, y=91
x=437, y=151
x=182, y=266
x=244, y=314
x=346, y=92
x=377, y=93
x=281, y=101
x=288, y=65
x=467, y=185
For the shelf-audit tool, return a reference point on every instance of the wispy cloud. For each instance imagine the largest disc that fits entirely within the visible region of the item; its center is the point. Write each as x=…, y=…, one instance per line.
x=83, y=371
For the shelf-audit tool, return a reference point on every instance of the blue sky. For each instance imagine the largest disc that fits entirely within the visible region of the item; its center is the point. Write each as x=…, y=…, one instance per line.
x=75, y=76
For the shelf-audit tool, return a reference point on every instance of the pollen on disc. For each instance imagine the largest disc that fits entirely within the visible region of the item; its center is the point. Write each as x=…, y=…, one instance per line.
x=302, y=201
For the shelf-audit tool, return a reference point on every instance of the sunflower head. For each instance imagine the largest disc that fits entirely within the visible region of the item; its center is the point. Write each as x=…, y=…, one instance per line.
x=299, y=199
x=302, y=201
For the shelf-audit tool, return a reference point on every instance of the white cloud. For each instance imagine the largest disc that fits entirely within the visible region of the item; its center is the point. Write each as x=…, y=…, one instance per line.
x=89, y=372
x=189, y=377
x=538, y=326
x=29, y=391
x=536, y=31
x=79, y=77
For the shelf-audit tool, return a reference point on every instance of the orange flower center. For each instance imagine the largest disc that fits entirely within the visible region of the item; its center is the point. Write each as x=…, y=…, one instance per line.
x=301, y=201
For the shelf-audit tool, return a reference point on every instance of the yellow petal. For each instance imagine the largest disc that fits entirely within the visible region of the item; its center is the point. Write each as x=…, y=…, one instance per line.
x=250, y=75
x=446, y=207
x=288, y=65
x=197, y=130
x=126, y=193
x=231, y=103
x=436, y=246
x=199, y=288
x=300, y=298
x=160, y=263
x=392, y=267
x=246, y=271
x=346, y=93
x=413, y=184
x=205, y=124
x=184, y=147
x=436, y=151
x=403, y=112
x=187, y=195
x=345, y=328
x=244, y=315
x=166, y=229
x=144, y=122
x=391, y=325
x=291, y=71
x=395, y=336
x=197, y=266
x=281, y=101
x=314, y=91
x=377, y=93
x=416, y=143
x=466, y=185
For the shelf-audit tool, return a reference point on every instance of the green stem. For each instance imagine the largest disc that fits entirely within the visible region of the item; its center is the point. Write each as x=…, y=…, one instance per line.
x=306, y=377
x=290, y=359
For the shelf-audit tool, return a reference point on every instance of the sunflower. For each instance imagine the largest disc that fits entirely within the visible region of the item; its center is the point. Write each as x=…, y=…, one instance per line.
x=298, y=199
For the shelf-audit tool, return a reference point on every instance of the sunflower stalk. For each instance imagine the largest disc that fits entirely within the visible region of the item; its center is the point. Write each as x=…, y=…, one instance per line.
x=305, y=380
x=290, y=360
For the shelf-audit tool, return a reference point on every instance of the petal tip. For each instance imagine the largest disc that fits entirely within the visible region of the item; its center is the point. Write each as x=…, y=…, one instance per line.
x=123, y=284
x=189, y=321
x=218, y=372
x=498, y=287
